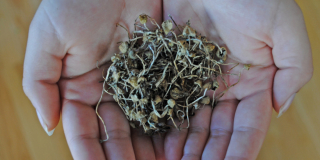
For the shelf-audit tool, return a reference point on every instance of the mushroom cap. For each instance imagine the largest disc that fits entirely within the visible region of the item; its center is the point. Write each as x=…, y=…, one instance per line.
x=188, y=31
x=207, y=85
x=123, y=47
x=116, y=58
x=167, y=26
x=143, y=18
x=171, y=103
x=132, y=55
x=205, y=100
x=133, y=81
x=210, y=47
x=215, y=85
x=157, y=99
x=199, y=83
x=134, y=98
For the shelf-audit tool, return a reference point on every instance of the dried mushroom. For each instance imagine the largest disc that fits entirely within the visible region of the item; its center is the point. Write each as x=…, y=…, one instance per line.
x=159, y=74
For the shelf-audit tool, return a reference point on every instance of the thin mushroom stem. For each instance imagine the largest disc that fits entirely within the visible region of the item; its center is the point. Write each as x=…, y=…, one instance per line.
x=124, y=28
x=97, y=106
x=175, y=23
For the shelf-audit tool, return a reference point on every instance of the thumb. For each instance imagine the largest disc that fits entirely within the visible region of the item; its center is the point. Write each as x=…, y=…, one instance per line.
x=42, y=70
x=291, y=54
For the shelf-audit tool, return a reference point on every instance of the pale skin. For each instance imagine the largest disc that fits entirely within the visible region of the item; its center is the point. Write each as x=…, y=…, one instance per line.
x=66, y=39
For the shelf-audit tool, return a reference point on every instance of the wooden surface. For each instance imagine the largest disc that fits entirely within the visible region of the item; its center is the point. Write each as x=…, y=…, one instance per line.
x=294, y=136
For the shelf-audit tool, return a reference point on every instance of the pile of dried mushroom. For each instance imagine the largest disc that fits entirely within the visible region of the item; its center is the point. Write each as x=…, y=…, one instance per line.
x=159, y=74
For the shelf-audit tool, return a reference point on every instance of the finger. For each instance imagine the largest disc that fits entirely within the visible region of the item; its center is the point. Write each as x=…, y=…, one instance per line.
x=42, y=69
x=291, y=53
x=175, y=140
x=198, y=133
x=220, y=130
x=142, y=145
x=81, y=128
x=251, y=122
x=158, y=142
x=158, y=145
x=119, y=145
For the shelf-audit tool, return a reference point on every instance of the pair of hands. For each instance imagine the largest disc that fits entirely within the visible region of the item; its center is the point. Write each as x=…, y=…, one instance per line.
x=67, y=38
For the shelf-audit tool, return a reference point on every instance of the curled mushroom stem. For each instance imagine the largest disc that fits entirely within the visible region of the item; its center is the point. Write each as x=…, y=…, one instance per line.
x=124, y=29
x=204, y=94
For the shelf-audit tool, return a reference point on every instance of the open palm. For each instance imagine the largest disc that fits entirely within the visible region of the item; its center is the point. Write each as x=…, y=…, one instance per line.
x=67, y=39
x=271, y=36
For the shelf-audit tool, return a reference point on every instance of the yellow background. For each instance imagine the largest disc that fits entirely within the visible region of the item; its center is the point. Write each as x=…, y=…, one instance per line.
x=294, y=136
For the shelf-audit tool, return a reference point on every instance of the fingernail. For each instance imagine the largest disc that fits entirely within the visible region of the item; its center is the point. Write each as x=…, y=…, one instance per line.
x=44, y=126
x=286, y=105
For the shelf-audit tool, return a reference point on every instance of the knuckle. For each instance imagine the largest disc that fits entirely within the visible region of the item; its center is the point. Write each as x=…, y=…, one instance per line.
x=198, y=130
x=118, y=134
x=248, y=129
x=85, y=136
x=219, y=132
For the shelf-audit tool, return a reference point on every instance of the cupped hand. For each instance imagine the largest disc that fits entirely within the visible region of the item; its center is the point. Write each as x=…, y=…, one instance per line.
x=67, y=39
x=269, y=35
